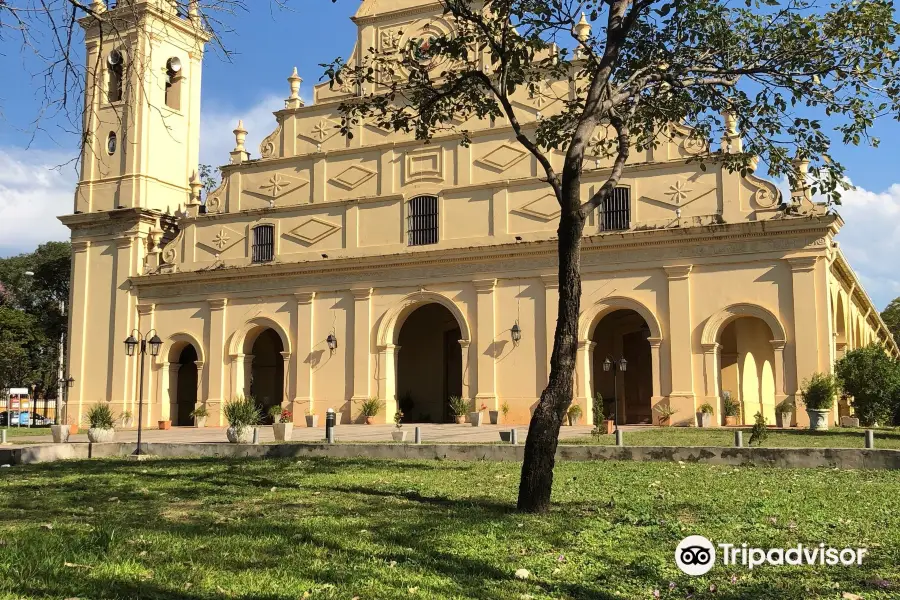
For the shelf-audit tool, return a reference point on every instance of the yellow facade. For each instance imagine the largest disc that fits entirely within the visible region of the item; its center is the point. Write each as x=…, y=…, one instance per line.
x=711, y=285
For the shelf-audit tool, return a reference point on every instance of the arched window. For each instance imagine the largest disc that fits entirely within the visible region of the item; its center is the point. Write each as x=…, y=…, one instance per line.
x=115, y=70
x=263, y=243
x=422, y=221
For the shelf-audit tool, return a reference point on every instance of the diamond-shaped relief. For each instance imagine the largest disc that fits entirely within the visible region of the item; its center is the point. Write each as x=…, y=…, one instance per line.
x=321, y=130
x=312, y=230
x=503, y=157
x=545, y=208
x=275, y=185
x=353, y=177
x=218, y=240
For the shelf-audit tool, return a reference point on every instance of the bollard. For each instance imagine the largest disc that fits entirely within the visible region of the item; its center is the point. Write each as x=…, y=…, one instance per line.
x=738, y=439
x=620, y=438
x=255, y=436
x=870, y=439
x=330, y=419
x=3, y=436
x=418, y=435
x=514, y=436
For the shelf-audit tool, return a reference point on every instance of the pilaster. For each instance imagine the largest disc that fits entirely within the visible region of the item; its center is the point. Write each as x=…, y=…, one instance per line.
x=78, y=302
x=806, y=343
x=121, y=375
x=711, y=362
x=583, y=378
x=551, y=312
x=387, y=383
x=656, y=366
x=216, y=370
x=778, y=351
x=484, y=345
x=681, y=357
x=146, y=323
x=361, y=342
x=303, y=367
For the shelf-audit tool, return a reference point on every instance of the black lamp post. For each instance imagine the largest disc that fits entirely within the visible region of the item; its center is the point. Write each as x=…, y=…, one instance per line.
x=616, y=366
x=64, y=385
x=131, y=343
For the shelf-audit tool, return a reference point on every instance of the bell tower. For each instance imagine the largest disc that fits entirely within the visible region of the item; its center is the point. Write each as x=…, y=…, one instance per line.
x=142, y=105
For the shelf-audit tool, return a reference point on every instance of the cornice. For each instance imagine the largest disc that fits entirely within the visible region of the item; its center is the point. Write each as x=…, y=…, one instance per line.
x=677, y=272
x=380, y=17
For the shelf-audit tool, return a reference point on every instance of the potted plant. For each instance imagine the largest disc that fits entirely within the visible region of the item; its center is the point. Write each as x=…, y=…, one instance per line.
x=730, y=409
x=459, y=407
x=477, y=417
x=704, y=415
x=242, y=414
x=573, y=414
x=101, y=422
x=399, y=435
x=282, y=423
x=370, y=408
x=818, y=396
x=665, y=412
x=200, y=414
x=786, y=412
x=494, y=415
x=126, y=419
x=312, y=419
x=165, y=425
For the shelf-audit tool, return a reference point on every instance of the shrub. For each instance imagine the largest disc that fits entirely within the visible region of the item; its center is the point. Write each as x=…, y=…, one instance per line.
x=100, y=416
x=126, y=415
x=730, y=407
x=758, y=433
x=706, y=408
x=241, y=412
x=872, y=378
x=819, y=391
x=200, y=412
x=398, y=419
x=786, y=406
x=665, y=412
x=459, y=406
x=285, y=416
x=370, y=406
x=574, y=411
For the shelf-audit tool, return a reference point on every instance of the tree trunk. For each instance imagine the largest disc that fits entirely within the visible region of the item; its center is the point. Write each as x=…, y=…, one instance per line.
x=536, y=482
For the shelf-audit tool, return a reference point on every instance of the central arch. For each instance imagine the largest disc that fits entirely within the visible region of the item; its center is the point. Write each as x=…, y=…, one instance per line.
x=266, y=378
x=183, y=367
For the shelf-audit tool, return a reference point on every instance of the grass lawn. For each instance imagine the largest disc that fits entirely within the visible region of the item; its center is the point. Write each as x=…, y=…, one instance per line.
x=366, y=529
x=778, y=438
x=13, y=432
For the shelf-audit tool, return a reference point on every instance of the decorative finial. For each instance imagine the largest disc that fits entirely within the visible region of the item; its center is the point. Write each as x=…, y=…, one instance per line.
x=295, y=81
x=582, y=30
x=799, y=190
x=731, y=138
x=98, y=6
x=240, y=136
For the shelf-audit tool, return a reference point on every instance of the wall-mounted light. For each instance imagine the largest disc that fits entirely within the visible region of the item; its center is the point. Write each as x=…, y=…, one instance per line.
x=622, y=364
x=331, y=340
x=516, y=332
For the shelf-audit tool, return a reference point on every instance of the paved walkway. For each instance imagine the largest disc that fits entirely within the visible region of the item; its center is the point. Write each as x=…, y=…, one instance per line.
x=347, y=433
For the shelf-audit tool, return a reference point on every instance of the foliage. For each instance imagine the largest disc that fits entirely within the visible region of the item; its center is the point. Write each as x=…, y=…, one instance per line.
x=759, y=432
x=598, y=409
x=370, y=406
x=819, y=391
x=241, y=412
x=126, y=415
x=504, y=408
x=872, y=378
x=891, y=317
x=100, y=416
x=285, y=416
x=730, y=407
x=786, y=406
x=201, y=412
x=459, y=406
x=665, y=411
x=706, y=408
x=398, y=419
x=574, y=411
x=209, y=178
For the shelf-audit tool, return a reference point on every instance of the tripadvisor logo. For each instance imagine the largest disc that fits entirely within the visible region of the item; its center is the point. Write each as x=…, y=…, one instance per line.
x=696, y=555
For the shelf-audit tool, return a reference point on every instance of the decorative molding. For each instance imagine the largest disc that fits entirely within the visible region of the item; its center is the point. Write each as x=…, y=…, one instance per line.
x=425, y=164
x=81, y=246
x=550, y=281
x=145, y=309
x=717, y=322
x=352, y=177
x=592, y=314
x=677, y=272
x=800, y=264
x=304, y=297
x=267, y=147
x=313, y=230
x=503, y=157
x=388, y=329
x=484, y=286
x=274, y=186
x=322, y=131
x=546, y=208
x=361, y=293
x=217, y=303
x=223, y=239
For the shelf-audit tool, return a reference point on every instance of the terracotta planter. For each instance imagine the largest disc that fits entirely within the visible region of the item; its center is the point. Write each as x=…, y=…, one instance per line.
x=200, y=422
x=165, y=425
x=73, y=428
x=818, y=419
x=704, y=419
x=312, y=420
x=494, y=415
x=100, y=436
x=460, y=419
x=60, y=433
x=609, y=426
x=370, y=420
x=283, y=431
x=476, y=418
x=731, y=421
x=244, y=435
x=399, y=436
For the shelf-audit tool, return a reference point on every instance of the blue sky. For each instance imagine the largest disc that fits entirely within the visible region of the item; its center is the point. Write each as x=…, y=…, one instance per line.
x=266, y=44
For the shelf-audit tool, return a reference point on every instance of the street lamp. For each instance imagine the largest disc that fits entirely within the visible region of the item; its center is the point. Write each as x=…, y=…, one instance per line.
x=516, y=332
x=615, y=365
x=331, y=340
x=131, y=344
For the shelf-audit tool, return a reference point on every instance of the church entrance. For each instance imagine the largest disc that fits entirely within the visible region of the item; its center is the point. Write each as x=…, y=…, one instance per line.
x=267, y=372
x=429, y=368
x=748, y=368
x=624, y=334
x=186, y=387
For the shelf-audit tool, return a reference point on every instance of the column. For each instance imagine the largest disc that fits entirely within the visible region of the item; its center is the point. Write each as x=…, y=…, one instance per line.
x=286, y=380
x=120, y=391
x=583, y=375
x=169, y=384
x=681, y=361
x=656, y=366
x=77, y=332
x=711, y=376
x=145, y=324
x=303, y=401
x=387, y=382
x=484, y=345
x=464, y=346
x=361, y=343
x=216, y=352
x=551, y=313
x=806, y=340
x=778, y=368
x=200, y=401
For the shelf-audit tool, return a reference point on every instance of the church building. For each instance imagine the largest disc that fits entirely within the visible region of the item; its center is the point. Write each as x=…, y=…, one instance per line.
x=326, y=269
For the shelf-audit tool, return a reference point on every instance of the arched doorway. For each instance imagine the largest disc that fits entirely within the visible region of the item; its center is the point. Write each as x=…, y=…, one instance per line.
x=185, y=387
x=267, y=372
x=429, y=364
x=747, y=368
x=624, y=333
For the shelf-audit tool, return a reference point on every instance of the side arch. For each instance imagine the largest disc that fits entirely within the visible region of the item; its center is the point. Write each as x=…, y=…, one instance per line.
x=242, y=339
x=591, y=315
x=392, y=320
x=716, y=323
x=176, y=343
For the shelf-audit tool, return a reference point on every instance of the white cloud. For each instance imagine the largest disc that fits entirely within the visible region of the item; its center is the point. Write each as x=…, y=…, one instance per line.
x=32, y=194
x=217, y=124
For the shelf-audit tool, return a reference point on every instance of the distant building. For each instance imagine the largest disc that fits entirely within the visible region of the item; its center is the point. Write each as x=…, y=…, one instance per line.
x=327, y=270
